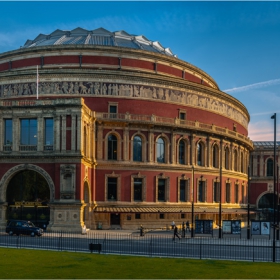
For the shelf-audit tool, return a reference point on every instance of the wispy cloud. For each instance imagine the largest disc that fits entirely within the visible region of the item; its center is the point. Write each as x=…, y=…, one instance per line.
x=254, y=86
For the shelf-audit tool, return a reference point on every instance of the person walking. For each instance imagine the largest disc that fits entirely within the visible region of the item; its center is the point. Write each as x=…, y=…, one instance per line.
x=176, y=233
x=188, y=226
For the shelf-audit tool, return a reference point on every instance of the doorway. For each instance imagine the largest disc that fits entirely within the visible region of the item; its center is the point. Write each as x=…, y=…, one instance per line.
x=115, y=219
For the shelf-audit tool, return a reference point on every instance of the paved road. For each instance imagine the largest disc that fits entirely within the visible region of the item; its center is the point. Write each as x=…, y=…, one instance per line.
x=152, y=244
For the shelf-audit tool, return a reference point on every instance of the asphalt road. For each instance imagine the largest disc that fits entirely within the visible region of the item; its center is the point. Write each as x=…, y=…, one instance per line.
x=153, y=244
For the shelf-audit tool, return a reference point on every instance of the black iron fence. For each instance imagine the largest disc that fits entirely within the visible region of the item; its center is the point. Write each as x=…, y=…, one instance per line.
x=151, y=245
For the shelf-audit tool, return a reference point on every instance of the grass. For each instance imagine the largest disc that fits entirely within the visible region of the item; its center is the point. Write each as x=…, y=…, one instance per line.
x=37, y=264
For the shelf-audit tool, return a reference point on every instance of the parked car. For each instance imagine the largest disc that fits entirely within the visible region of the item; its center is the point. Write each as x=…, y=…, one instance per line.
x=23, y=227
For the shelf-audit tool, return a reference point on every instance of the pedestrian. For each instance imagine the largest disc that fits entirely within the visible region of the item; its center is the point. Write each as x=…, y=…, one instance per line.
x=183, y=230
x=188, y=226
x=176, y=233
x=173, y=225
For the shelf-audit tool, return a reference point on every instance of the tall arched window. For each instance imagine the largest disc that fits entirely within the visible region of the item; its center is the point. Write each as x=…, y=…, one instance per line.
x=215, y=156
x=235, y=160
x=137, y=148
x=182, y=152
x=199, y=154
x=112, y=147
x=269, y=167
x=160, y=150
x=226, y=158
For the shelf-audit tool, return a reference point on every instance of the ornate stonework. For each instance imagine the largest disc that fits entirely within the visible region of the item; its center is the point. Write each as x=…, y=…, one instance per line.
x=96, y=88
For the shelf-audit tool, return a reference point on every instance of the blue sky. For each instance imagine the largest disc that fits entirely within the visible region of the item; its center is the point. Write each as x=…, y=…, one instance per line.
x=236, y=43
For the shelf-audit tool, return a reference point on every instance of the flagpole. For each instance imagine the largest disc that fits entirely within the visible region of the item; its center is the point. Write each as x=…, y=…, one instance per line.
x=37, y=91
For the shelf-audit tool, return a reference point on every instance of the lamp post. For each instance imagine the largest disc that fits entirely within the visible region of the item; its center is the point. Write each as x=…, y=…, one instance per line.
x=192, y=233
x=274, y=185
x=277, y=205
x=248, y=205
x=220, y=189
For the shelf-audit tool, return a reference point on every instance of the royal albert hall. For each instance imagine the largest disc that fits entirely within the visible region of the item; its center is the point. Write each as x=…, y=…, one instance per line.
x=118, y=132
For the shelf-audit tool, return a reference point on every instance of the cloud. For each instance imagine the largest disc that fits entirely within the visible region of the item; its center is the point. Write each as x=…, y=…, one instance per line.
x=254, y=86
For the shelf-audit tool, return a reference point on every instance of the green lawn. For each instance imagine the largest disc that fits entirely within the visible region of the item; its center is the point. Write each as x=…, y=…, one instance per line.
x=30, y=264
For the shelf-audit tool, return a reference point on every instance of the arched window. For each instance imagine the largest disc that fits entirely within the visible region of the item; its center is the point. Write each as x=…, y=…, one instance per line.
x=160, y=150
x=199, y=154
x=226, y=158
x=215, y=156
x=269, y=167
x=112, y=147
x=182, y=152
x=235, y=160
x=137, y=148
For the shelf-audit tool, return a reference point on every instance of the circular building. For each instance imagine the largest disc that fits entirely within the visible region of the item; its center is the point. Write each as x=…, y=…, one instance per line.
x=111, y=130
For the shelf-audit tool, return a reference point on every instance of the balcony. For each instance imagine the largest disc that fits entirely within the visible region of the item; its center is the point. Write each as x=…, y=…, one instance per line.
x=28, y=148
x=191, y=125
x=7, y=148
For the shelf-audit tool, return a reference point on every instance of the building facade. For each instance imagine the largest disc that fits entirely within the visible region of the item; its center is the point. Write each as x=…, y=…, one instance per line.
x=118, y=132
x=263, y=193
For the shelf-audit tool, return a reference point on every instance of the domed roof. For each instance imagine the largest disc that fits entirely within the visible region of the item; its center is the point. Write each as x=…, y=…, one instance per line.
x=100, y=36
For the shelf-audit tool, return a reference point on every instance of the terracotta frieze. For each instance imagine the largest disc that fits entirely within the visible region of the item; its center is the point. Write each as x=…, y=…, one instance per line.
x=88, y=88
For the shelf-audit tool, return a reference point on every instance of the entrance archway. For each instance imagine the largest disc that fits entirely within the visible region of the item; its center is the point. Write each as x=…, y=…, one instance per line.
x=265, y=204
x=28, y=195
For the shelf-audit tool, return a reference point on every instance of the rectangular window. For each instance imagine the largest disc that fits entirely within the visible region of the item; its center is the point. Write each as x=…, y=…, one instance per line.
x=8, y=132
x=48, y=133
x=183, y=216
x=236, y=195
x=137, y=216
x=138, y=183
x=243, y=194
x=182, y=116
x=113, y=110
x=161, y=189
x=184, y=193
x=201, y=191
x=227, y=192
x=112, y=188
x=28, y=132
x=216, y=192
x=161, y=216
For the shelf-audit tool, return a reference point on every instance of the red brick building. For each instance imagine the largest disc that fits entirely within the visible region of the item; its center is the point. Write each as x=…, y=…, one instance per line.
x=119, y=132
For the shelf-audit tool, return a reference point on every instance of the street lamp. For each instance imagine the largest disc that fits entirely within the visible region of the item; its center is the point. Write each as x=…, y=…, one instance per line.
x=192, y=233
x=220, y=200
x=248, y=206
x=274, y=185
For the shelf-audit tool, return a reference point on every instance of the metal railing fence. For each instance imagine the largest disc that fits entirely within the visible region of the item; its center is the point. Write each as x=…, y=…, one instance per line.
x=151, y=245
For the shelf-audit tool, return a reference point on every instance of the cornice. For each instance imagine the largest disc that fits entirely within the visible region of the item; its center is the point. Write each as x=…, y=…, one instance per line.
x=105, y=50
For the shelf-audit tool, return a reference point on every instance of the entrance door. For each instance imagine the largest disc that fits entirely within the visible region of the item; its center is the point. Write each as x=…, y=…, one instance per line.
x=28, y=195
x=115, y=219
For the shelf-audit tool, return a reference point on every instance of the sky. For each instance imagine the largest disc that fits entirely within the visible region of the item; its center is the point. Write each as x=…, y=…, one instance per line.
x=236, y=43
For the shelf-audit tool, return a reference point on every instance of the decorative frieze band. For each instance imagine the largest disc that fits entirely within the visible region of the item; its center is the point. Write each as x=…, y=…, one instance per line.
x=194, y=99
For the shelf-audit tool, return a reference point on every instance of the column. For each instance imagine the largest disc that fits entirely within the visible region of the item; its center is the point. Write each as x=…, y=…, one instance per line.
x=125, y=144
x=193, y=147
x=57, y=133
x=173, y=148
x=79, y=124
x=150, y=146
x=261, y=165
x=63, y=133
x=40, y=133
x=73, y=132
